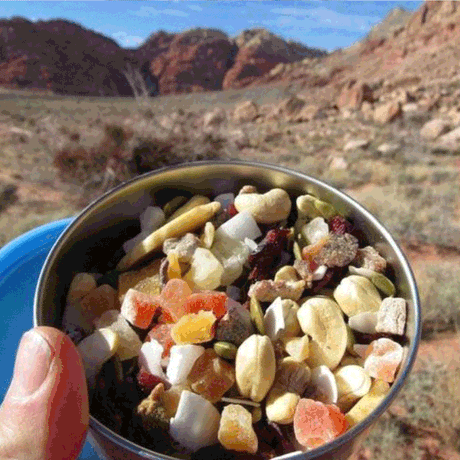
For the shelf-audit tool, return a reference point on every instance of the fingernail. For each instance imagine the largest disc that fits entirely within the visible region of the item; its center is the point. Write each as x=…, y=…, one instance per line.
x=32, y=364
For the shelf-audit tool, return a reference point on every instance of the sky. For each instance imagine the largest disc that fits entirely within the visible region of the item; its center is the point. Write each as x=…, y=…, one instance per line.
x=320, y=24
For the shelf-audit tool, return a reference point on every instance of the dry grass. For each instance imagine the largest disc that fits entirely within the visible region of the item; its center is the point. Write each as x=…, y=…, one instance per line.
x=428, y=408
x=439, y=293
x=419, y=213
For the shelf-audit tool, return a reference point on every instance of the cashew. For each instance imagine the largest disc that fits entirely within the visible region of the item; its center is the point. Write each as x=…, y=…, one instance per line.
x=271, y=207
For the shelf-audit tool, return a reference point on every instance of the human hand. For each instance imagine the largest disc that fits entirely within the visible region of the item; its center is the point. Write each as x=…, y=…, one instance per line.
x=45, y=414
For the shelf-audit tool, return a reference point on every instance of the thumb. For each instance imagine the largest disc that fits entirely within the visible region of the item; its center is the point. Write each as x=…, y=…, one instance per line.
x=45, y=413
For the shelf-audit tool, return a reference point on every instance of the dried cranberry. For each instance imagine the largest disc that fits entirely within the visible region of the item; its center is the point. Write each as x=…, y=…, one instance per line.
x=340, y=225
x=323, y=282
x=267, y=256
x=147, y=381
x=231, y=210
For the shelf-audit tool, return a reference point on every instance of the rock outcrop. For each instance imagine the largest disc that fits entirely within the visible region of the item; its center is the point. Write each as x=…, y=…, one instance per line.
x=63, y=57
x=259, y=51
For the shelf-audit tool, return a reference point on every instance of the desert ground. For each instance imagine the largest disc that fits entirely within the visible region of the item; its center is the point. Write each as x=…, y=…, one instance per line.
x=404, y=174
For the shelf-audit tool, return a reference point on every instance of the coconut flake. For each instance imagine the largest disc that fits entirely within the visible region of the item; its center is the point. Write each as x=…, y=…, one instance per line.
x=150, y=358
x=241, y=226
x=181, y=360
x=324, y=385
x=196, y=422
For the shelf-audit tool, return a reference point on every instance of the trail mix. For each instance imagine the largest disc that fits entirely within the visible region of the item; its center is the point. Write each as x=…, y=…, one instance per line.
x=251, y=325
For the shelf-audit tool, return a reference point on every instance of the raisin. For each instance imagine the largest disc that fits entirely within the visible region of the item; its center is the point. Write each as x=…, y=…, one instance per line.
x=267, y=256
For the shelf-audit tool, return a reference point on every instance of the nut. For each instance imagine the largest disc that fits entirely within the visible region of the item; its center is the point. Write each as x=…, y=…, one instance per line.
x=322, y=320
x=291, y=381
x=255, y=367
x=271, y=207
x=356, y=294
x=187, y=222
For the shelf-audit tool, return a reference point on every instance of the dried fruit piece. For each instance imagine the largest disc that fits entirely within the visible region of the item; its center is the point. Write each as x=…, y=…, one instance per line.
x=383, y=357
x=173, y=297
x=207, y=301
x=138, y=308
x=98, y=301
x=338, y=251
x=194, y=328
x=236, y=431
x=183, y=247
x=368, y=403
x=267, y=256
x=146, y=380
x=368, y=257
x=316, y=423
x=133, y=280
x=255, y=367
x=392, y=316
x=195, y=201
x=152, y=409
x=196, y=422
x=182, y=358
x=340, y=225
x=269, y=290
x=162, y=334
x=235, y=326
x=211, y=376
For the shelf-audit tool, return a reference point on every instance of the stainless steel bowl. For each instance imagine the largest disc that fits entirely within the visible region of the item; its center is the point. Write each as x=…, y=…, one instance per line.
x=91, y=241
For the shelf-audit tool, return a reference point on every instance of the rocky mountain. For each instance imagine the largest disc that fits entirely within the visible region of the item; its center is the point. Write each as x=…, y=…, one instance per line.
x=394, y=21
x=64, y=57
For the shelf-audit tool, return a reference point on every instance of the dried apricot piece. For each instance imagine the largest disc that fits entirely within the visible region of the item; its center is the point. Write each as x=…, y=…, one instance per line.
x=207, y=300
x=172, y=298
x=194, y=328
x=236, y=431
x=138, y=308
x=211, y=376
x=382, y=359
x=316, y=423
x=162, y=334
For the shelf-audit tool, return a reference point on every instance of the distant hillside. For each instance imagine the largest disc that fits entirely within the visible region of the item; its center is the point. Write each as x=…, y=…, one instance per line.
x=64, y=57
x=394, y=21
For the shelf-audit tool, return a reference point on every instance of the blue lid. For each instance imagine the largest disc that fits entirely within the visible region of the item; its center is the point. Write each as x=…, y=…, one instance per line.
x=21, y=261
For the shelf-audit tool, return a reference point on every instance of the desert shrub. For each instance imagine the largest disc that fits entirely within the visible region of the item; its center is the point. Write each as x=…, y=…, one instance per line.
x=121, y=155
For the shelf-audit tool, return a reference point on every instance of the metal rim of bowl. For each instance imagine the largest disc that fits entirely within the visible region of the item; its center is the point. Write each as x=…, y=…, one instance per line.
x=349, y=434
